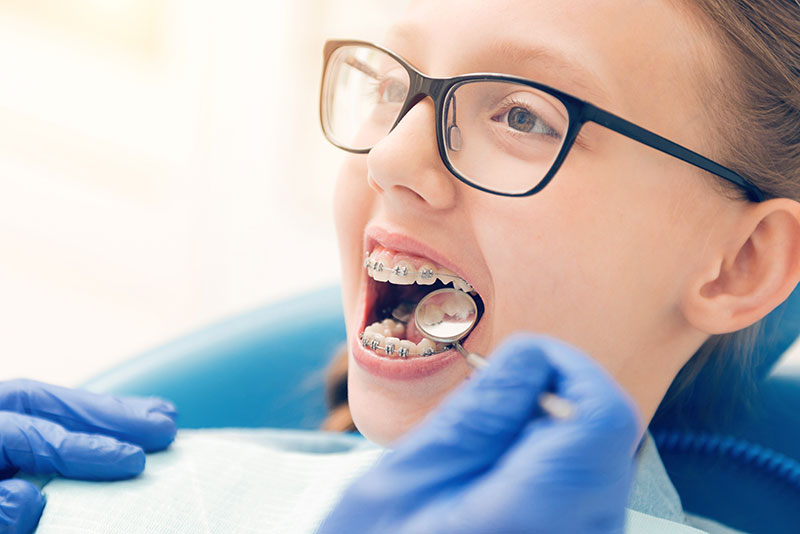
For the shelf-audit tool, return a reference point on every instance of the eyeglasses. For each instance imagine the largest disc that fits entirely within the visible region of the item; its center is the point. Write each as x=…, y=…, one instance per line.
x=501, y=134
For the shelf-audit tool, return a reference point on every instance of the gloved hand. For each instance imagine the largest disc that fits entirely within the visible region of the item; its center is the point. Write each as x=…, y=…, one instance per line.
x=489, y=461
x=48, y=429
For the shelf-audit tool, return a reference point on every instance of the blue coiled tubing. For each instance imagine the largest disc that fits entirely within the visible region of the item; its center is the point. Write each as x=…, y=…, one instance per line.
x=737, y=451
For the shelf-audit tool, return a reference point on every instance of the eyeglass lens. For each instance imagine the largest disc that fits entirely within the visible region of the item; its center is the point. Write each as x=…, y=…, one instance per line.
x=500, y=135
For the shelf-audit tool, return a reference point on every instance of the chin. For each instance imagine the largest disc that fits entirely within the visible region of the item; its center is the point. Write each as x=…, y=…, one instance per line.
x=384, y=410
x=380, y=428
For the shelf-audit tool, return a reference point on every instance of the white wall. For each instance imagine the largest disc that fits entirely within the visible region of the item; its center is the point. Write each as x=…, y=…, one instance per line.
x=161, y=166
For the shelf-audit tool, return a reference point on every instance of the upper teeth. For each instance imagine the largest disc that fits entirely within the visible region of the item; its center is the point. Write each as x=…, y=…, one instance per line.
x=384, y=269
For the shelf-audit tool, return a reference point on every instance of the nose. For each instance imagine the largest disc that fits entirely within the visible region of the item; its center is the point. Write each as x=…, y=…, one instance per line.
x=406, y=166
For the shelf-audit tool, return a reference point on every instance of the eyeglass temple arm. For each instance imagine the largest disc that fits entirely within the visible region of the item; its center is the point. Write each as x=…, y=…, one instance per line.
x=362, y=67
x=653, y=140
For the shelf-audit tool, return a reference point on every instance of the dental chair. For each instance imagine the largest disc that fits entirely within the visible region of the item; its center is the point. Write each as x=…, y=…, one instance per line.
x=265, y=368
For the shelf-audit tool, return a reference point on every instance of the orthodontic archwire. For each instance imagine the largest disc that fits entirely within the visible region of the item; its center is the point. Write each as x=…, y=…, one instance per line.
x=426, y=274
x=390, y=348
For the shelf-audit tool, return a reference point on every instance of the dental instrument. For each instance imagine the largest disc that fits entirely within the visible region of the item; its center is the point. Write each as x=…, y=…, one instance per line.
x=458, y=320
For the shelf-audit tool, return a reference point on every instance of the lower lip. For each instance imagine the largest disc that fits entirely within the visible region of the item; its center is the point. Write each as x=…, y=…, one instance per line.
x=402, y=369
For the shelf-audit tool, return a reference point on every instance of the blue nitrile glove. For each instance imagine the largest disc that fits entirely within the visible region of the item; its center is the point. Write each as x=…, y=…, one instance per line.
x=47, y=429
x=489, y=461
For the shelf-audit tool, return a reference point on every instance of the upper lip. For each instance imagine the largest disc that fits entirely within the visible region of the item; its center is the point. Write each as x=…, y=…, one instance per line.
x=399, y=242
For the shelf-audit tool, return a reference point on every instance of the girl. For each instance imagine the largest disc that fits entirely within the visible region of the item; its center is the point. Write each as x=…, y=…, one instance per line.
x=622, y=176
x=605, y=233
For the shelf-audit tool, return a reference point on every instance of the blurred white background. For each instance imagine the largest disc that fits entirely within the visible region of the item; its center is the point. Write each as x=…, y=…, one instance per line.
x=161, y=166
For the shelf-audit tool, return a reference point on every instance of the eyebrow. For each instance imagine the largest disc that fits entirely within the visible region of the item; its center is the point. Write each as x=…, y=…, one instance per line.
x=566, y=74
x=567, y=70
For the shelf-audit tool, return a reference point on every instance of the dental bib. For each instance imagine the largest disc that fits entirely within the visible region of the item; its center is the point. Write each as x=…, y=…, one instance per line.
x=217, y=481
x=248, y=481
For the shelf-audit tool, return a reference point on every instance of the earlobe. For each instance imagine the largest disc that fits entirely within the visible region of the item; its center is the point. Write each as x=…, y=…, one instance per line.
x=752, y=274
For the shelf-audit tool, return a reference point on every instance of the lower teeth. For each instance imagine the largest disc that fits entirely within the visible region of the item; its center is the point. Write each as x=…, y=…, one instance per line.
x=385, y=336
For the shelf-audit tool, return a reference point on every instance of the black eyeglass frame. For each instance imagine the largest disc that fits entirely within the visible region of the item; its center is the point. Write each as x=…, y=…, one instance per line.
x=580, y=112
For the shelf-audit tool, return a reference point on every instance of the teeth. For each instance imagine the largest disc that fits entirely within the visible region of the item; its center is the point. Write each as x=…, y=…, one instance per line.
x=406, y=348
x=426, y=347
x=380, y=271
x=463, y=285
x=381, y=266
x=378, y=340
x=433, y=315
x=385, y=328
x=395, y=329
x=426, y=275
x=402, y=273
x=446, y=276
x=450, y=307
x=393, y=345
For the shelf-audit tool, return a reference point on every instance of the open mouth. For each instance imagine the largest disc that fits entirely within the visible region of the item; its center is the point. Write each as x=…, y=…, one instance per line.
x=397, y=282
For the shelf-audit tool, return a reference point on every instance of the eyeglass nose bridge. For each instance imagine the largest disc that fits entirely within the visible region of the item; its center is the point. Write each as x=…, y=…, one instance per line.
x=421, y=87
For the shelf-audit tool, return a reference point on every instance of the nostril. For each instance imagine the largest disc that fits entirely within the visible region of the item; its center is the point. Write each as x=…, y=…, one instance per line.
x=414, y=194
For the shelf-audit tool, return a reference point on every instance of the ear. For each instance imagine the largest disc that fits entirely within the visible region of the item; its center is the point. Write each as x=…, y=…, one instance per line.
x=753, y=271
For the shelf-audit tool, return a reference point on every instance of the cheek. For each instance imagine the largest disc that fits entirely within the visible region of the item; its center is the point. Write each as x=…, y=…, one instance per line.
x=598, y=269
x=352, y=207
x=350, y=197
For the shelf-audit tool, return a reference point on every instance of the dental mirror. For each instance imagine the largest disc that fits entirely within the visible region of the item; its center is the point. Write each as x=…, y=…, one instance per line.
x=448, y=316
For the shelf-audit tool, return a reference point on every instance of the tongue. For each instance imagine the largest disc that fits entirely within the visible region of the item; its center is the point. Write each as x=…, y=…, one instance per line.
x=412, y=333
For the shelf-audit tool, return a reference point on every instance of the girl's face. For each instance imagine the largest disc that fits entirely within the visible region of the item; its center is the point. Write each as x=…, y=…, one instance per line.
x=600, y=258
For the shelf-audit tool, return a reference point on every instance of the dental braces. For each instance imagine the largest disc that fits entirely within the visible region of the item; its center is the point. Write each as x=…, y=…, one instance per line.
x=425, y=274
x=403, y=352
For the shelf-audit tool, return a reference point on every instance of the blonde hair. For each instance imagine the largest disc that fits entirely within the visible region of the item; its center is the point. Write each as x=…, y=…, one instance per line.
x=754, y=113
x=754, y=101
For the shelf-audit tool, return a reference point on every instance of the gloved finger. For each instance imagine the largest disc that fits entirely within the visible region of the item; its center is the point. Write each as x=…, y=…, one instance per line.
x=147, y=422
x=602, y=408
x=590, y=453
x=605, y=426
x=38, y=446
x=21, y=506
x=480, y=420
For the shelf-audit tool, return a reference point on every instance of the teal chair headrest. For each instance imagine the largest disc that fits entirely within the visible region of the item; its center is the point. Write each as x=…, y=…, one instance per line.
x=778, y=331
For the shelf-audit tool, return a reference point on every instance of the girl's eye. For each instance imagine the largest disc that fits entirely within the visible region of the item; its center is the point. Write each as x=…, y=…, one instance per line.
x=523, y=120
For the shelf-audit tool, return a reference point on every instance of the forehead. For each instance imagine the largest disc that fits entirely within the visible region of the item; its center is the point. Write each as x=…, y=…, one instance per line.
x=618, y=54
